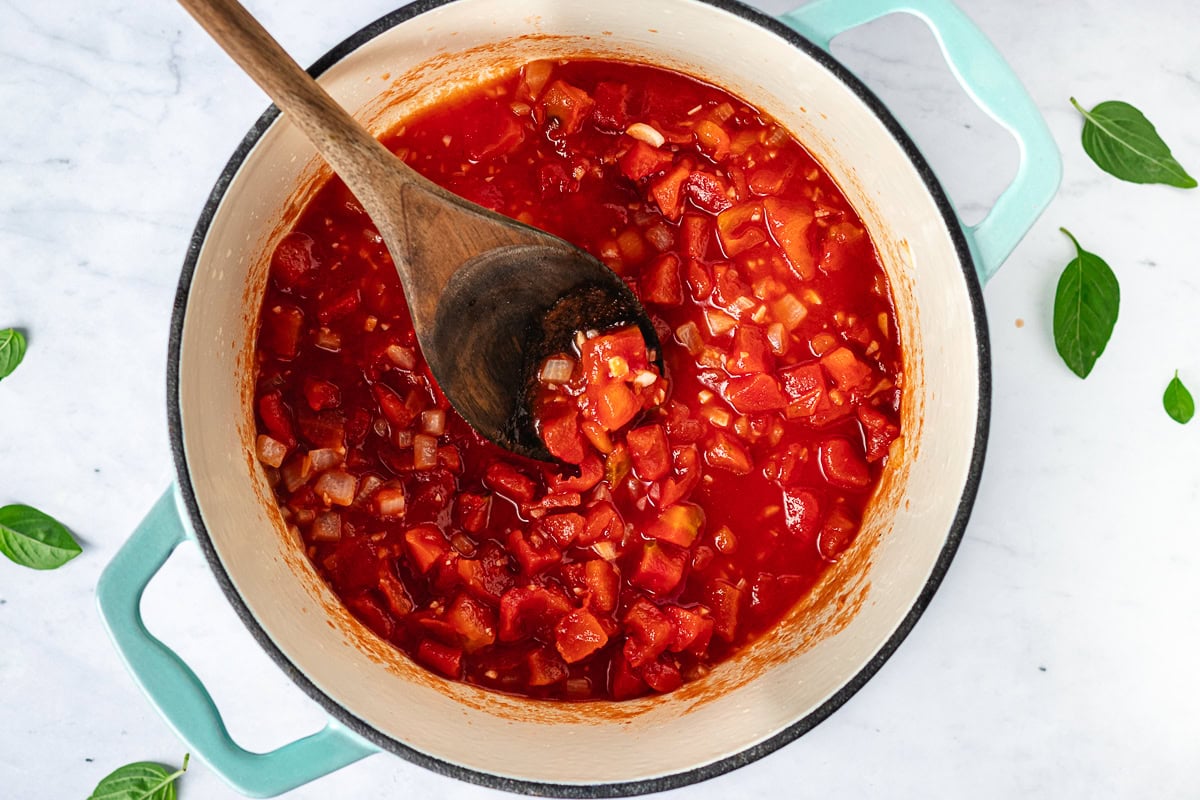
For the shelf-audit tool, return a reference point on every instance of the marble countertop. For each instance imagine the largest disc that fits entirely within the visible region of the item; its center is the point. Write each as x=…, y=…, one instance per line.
x=1059, y=658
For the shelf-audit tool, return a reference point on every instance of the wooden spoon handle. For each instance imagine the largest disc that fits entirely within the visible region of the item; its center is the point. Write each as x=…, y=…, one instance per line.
x=352, y=152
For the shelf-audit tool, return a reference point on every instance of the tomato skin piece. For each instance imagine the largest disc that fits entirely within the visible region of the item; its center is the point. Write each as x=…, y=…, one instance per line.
x=843, y=466
x=753, y=393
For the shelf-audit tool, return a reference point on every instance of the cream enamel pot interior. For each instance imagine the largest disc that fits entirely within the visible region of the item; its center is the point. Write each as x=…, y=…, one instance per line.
x=780, y=687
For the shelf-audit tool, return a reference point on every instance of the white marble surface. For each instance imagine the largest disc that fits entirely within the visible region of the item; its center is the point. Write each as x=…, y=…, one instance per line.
x=1060, y=657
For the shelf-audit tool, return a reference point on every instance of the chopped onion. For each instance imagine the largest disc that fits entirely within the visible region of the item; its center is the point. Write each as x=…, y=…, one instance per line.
x=660, y=236
x=424, y=451
x=296, y=472
x=391, y=501
x=324, y=458
x=327, y=527
x=689, y=336
x=778, y=338
x=606, y=550
x=790, y=311
x=716, y=415
x=618, y=367
x=719, y=323
x=366, y=488
x=557, y=369
x=336, y=487
x=433, y=421
x=647, y=134
x=644, y=378
x=271, y=451
x=403, y=439
x=722, y=112
x=776, y=138
x=403, y=357
x=463, y=544
x=328, y=340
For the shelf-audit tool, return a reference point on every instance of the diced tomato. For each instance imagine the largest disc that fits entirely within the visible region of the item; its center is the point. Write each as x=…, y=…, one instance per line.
x=740, y=227
x=662, y=676
x=555, y=179
x=660, y=568
x=788, y=223
x=643, y=160
x=846, y=370
x=489, y=575
x=667, y=192
x=545, y=667
x=525, y=611
x=843, y=466
x=782, y=466
x=837, y=534
x=321, y=394
x=566, y=106
x=770, y=595
x=692, y=630
x=660, y=281
x=337, y=305
x=611, y=113
x=725, y=601
x=709, y=192
x=282, y=326
x=506, y=480
x=323, y=428
x=754, y=393
x=277, y=418
x=685, y=479
x=563, y=529
x=562, y=437
x=578, y=635
x=696, y=234
x=293, y=263
x=394, y=592
x=427, y=546
x=616, y=405
x=767, y=180
x=625, y=683
x=712, y=138
x=394, y=410
x=801, y=513
x=845, y=245
x=626, y=343
x=805, y=388
x=648, y=449
x=491, y=135
x=880, y=432
x=591, y=472
x=751, y=352
x=603, y=522
x=603, y=584
x=473, y=622
x=648, y=633
x=471, y=511
x=724, y=451
x=440, y=658
x=679, y=524
x=699, y=281
x=374, y=617
x=533, y=551
x=617, y=466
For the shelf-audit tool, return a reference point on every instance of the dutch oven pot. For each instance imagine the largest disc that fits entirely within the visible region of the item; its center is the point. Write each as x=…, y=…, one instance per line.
x=777, y=689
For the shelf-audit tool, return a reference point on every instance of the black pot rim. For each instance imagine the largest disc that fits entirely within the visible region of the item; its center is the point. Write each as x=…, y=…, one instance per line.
x=625, y=788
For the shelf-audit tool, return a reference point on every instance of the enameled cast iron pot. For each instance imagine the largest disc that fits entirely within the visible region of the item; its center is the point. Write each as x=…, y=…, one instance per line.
x=780, y=687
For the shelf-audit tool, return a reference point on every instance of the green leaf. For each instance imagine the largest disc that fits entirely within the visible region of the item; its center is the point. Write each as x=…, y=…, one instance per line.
x=1123, y=143
x=1085, y=309
x=1177, y=400
x=12, y=350
x=143, y=780
x=33, y=539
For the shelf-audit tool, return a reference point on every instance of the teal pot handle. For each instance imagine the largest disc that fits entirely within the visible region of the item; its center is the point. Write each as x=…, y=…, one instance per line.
x=179, y=694
x=992, y=84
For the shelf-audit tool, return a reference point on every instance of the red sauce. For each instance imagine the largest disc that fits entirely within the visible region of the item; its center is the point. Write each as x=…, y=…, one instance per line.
x=708, y=501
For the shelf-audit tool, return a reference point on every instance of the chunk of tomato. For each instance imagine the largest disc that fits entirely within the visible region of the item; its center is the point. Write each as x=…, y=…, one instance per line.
x=578, y=635
x=649, y=451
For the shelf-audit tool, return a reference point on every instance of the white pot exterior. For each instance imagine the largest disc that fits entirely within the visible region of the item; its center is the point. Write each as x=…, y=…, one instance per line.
x=778, y=688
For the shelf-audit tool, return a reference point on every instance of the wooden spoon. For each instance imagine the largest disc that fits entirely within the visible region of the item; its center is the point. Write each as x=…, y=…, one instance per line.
x=479, y=285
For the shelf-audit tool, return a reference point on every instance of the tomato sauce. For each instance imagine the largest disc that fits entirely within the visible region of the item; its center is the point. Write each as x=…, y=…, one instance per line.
x=698, y=506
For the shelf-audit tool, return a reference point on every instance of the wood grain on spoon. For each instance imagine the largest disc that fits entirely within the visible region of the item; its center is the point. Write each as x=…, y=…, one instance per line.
x=477, y=283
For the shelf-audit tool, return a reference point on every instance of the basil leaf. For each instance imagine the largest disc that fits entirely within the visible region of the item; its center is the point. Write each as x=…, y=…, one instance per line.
x=1123, y=143
x=12, y=350
x=143, y=780
x=1177, y=400
x=1085, y=309
x=33, y=539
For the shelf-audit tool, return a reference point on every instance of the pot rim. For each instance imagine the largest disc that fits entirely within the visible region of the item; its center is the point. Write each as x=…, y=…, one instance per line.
x=625, y=788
